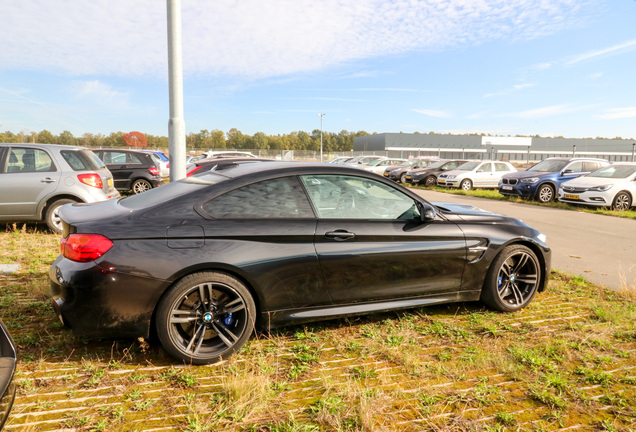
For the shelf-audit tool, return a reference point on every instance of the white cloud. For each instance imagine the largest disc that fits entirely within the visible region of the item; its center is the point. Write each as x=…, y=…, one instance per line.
x=548, y=111
x=433, y=113
x=613, y=50
x=618, y=113
x=253, y=38
x=508, y=91
x=96, y=92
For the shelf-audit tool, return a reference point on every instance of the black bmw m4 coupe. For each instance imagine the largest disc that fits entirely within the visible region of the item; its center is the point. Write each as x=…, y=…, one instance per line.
x=204, y=261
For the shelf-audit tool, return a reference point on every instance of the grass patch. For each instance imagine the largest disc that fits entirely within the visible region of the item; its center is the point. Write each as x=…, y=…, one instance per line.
x=566, y=361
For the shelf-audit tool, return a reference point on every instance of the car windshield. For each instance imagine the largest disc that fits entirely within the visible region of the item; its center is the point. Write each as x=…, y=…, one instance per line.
x=169, y=191
x=549, y=166
x=374, y=162
x=82, y=160
x=614, y=171
x=436, y=164
x=468, y=166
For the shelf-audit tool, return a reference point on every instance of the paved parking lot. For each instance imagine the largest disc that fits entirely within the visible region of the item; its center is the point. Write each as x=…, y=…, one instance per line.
x=600, y=248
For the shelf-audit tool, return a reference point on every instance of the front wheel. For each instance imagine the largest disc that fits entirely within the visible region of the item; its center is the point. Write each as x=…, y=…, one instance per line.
x=205, y=317
x=403, y=178
x=622, y=201
x=431, y=181
x=466, y=184
x=52, y=216
x=512, y=279
x=545, y=194
x=141, y=185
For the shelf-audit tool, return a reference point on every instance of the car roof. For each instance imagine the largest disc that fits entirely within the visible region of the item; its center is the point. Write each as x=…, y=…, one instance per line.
x=51, y=146
x=276, y=168
x=228, y=160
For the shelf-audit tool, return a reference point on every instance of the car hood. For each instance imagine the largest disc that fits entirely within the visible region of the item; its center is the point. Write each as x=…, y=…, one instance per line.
x=585, y=182
x=470, y=213
x=526, y=174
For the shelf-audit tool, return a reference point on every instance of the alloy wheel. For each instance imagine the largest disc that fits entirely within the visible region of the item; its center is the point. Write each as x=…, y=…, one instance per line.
x=517, y=278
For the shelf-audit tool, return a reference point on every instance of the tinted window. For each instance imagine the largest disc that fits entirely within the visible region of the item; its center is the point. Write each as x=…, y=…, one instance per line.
x=114, y=157
x=28, y=160
x=269, y=199
x=82, y=160
x=349, y=197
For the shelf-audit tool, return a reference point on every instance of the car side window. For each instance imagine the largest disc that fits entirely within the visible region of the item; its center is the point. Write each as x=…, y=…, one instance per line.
x=575, y=167
x=28, y=160
x=591, y=166
x=501, y=167
x=487, y=167
x=351, y=197
x=280, y=198
x=133, y=158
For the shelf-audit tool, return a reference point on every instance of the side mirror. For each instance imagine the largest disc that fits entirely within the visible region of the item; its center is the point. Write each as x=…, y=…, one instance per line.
x=427, y=212
x=567, y=171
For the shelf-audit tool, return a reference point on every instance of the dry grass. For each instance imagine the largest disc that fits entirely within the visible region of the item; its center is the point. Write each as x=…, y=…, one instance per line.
x=567, y=361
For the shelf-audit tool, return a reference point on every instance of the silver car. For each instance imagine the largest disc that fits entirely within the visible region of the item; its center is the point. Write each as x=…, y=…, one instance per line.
x=37, y=179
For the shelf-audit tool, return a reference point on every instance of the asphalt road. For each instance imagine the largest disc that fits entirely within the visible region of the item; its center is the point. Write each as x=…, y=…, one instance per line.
x=600, y=248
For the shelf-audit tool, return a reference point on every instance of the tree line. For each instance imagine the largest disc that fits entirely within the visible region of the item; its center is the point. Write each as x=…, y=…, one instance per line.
x=204, y=140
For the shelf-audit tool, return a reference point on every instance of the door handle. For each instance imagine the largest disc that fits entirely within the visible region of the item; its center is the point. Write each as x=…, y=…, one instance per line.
x=340, y=235
x=47, y=180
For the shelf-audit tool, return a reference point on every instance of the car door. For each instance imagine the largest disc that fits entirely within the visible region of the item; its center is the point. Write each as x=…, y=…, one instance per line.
x=372, y=245
x=120, y=165
x=273, y=219
x=484, y=175
x=28, y=176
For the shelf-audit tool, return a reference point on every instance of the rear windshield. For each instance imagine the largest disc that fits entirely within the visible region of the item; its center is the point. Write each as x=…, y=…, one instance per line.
x=170, y=191
x=82, y=160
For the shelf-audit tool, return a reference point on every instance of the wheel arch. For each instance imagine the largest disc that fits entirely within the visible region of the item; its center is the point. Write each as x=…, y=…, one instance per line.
x=201, y=268
x=537, y=249
x=46, y=203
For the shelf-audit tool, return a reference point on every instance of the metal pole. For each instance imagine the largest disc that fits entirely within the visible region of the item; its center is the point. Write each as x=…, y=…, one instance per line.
x=573, y=150
x=176, y=124
x=321, y=116
x=633, y=152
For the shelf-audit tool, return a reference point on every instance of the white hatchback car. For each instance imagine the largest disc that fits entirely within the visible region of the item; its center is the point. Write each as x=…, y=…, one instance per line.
x=611, y=186
x=485, y=174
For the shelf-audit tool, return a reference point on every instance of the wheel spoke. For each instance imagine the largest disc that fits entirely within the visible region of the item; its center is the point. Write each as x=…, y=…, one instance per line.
x=234, y=306
x=523, y=259
x=517, y=293
x=529, y=278
x=200, y=332
x=223, y=337
x=183, y=316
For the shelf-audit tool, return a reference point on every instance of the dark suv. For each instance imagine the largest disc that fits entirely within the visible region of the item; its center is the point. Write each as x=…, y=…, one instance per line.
x=428, y=175
x=132, y=170
x=543, y=180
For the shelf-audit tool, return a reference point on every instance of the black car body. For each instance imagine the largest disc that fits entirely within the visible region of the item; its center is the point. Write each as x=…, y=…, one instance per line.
x=398, y=173
x=428, y=175
x=134, y=171
x=8, y=360
x=219, y=163
x=279, y=243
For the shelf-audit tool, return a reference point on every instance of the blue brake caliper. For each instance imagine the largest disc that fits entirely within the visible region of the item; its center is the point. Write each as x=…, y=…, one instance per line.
x=228, y=320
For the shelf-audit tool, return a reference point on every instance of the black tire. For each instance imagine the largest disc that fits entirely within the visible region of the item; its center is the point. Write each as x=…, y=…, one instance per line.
x=403, y=178
x=545, y=193
x=141, y=185
x=430, y=181
x=512, y=279
x=622, y=201
x=52, y=215
x=205, y=317
x=466, y=184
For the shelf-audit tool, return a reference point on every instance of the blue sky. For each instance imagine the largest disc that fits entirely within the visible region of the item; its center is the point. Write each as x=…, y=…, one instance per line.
x=502, y=67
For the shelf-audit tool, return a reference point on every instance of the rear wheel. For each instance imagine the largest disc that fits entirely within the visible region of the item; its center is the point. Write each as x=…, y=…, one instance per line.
x=430, y=181
x=512, y=279
x=466, y=184
x=545, y=194
x=205, y=317
x=141, y=185
x=52, y=216
x=622, y=201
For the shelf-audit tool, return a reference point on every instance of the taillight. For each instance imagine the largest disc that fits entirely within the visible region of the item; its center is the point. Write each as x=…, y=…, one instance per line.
x=193, y=171
x=154, y=171
x=85, y=247
x=91, y=179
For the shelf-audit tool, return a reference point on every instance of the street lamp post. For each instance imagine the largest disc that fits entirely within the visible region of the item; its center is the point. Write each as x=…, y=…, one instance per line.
x=321, y=115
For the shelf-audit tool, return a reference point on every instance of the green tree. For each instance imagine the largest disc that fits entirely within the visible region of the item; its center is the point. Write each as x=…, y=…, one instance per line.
x=46, y=137
x=67, y=138
x=236, y=139
x=261, y=141
x=217, y=139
